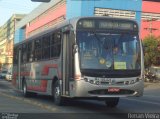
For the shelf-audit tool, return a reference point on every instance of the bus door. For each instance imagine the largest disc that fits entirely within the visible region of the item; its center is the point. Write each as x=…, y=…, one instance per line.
x=19, y=83
x=67, y=63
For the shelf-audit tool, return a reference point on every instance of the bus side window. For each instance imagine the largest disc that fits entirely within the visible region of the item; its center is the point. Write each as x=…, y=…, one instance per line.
x=56, y=44
x=24, y=53
x=30, y=52
x=38, y=49
x=46, y=46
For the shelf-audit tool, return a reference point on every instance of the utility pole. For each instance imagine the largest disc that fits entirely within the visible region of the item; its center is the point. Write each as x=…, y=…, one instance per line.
x=150, y=20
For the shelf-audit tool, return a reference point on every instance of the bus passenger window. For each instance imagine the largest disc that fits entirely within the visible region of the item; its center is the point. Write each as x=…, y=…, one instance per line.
x=38, y=49
x=46, y=47
x=55, y=44
x=24, y=53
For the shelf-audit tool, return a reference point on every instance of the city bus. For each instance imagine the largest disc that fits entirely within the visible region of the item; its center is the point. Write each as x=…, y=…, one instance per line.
x=99, y=58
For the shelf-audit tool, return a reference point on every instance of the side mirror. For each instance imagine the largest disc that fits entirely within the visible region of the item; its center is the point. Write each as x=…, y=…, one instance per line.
x=40, y=0
x=75, y=49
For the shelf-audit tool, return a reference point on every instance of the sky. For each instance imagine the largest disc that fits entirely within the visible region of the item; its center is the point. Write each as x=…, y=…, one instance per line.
x=10, y=7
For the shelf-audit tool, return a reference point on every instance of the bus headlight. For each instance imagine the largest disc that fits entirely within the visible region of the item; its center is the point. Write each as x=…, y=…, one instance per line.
x=126, y=82
x=132, y=82
x=97, y=83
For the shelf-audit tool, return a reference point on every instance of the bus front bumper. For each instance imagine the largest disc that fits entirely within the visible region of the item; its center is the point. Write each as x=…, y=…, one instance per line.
x=85, y=89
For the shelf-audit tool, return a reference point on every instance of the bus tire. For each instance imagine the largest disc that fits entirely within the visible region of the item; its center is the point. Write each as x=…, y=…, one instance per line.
x=58, y=99
x=112, y=102
x=24, y=89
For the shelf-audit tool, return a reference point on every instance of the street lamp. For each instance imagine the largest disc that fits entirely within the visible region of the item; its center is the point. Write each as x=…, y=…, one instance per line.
x=40, y=0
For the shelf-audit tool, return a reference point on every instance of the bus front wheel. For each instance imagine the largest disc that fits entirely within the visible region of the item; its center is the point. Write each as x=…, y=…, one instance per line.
x=112, y=102
x=58, y=99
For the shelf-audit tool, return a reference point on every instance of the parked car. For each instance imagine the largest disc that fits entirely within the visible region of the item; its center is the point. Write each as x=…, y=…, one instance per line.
x=8, y=76
x=3, y=74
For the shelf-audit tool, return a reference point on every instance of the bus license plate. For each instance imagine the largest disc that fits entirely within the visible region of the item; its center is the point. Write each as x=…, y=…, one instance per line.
x=113, y=90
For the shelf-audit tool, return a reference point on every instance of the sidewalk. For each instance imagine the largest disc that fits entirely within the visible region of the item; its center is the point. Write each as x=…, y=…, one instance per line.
x=151, y=85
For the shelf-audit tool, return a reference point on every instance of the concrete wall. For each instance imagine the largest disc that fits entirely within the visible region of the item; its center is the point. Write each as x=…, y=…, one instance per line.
x=86, y=7
x=155, y=25
x=150, y=7
x=24, y=23
x=70, y=9
x=46, y=19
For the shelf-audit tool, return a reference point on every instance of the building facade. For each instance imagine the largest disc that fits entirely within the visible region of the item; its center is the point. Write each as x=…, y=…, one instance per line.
x=150, y=24
x=48, y=14
x=114, y=8
x=41, y=18
x=7, y=32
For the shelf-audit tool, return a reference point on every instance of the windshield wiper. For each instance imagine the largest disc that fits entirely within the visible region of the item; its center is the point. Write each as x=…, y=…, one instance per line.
x=96, y=37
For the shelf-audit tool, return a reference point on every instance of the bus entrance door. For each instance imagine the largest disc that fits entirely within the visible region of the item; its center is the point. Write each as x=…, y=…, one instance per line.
x=65, y=66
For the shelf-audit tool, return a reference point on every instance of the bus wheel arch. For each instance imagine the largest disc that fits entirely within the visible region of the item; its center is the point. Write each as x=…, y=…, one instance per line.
x=25, y=92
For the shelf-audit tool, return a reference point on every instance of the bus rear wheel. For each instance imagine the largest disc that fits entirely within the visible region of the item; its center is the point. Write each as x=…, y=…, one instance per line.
x=25, y=92
x=58, y=99
x=24, y=89
x=112, y=102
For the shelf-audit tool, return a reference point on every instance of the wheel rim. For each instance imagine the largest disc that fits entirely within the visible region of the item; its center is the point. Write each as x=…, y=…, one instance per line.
x=57, y=93
x=24, y=88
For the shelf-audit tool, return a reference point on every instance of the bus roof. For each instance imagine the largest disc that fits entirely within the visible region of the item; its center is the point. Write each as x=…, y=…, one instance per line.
x=73, y=22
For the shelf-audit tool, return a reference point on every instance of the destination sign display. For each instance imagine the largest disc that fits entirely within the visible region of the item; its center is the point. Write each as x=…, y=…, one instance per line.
x=115, y=25
x=88, y=24
x=107, y=24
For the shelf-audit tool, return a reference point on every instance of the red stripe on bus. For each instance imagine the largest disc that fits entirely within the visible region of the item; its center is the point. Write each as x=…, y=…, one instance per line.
x=46, y=68
x=44, y=85
x=35, y=88
x=14, y=79
x=15, y=75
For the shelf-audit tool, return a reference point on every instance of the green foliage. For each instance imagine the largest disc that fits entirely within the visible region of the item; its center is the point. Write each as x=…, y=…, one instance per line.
x=152, y=52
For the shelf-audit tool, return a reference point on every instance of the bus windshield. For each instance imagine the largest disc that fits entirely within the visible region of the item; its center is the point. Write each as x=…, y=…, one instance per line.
x=109, y=50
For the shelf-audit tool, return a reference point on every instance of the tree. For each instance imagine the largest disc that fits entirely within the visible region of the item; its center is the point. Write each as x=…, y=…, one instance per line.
x=151, y=50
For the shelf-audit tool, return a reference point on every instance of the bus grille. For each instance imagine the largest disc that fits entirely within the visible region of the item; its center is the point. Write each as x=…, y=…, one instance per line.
x=105, y=92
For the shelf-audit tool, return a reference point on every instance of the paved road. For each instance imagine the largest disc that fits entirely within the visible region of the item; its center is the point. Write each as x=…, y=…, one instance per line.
x=12, y=101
